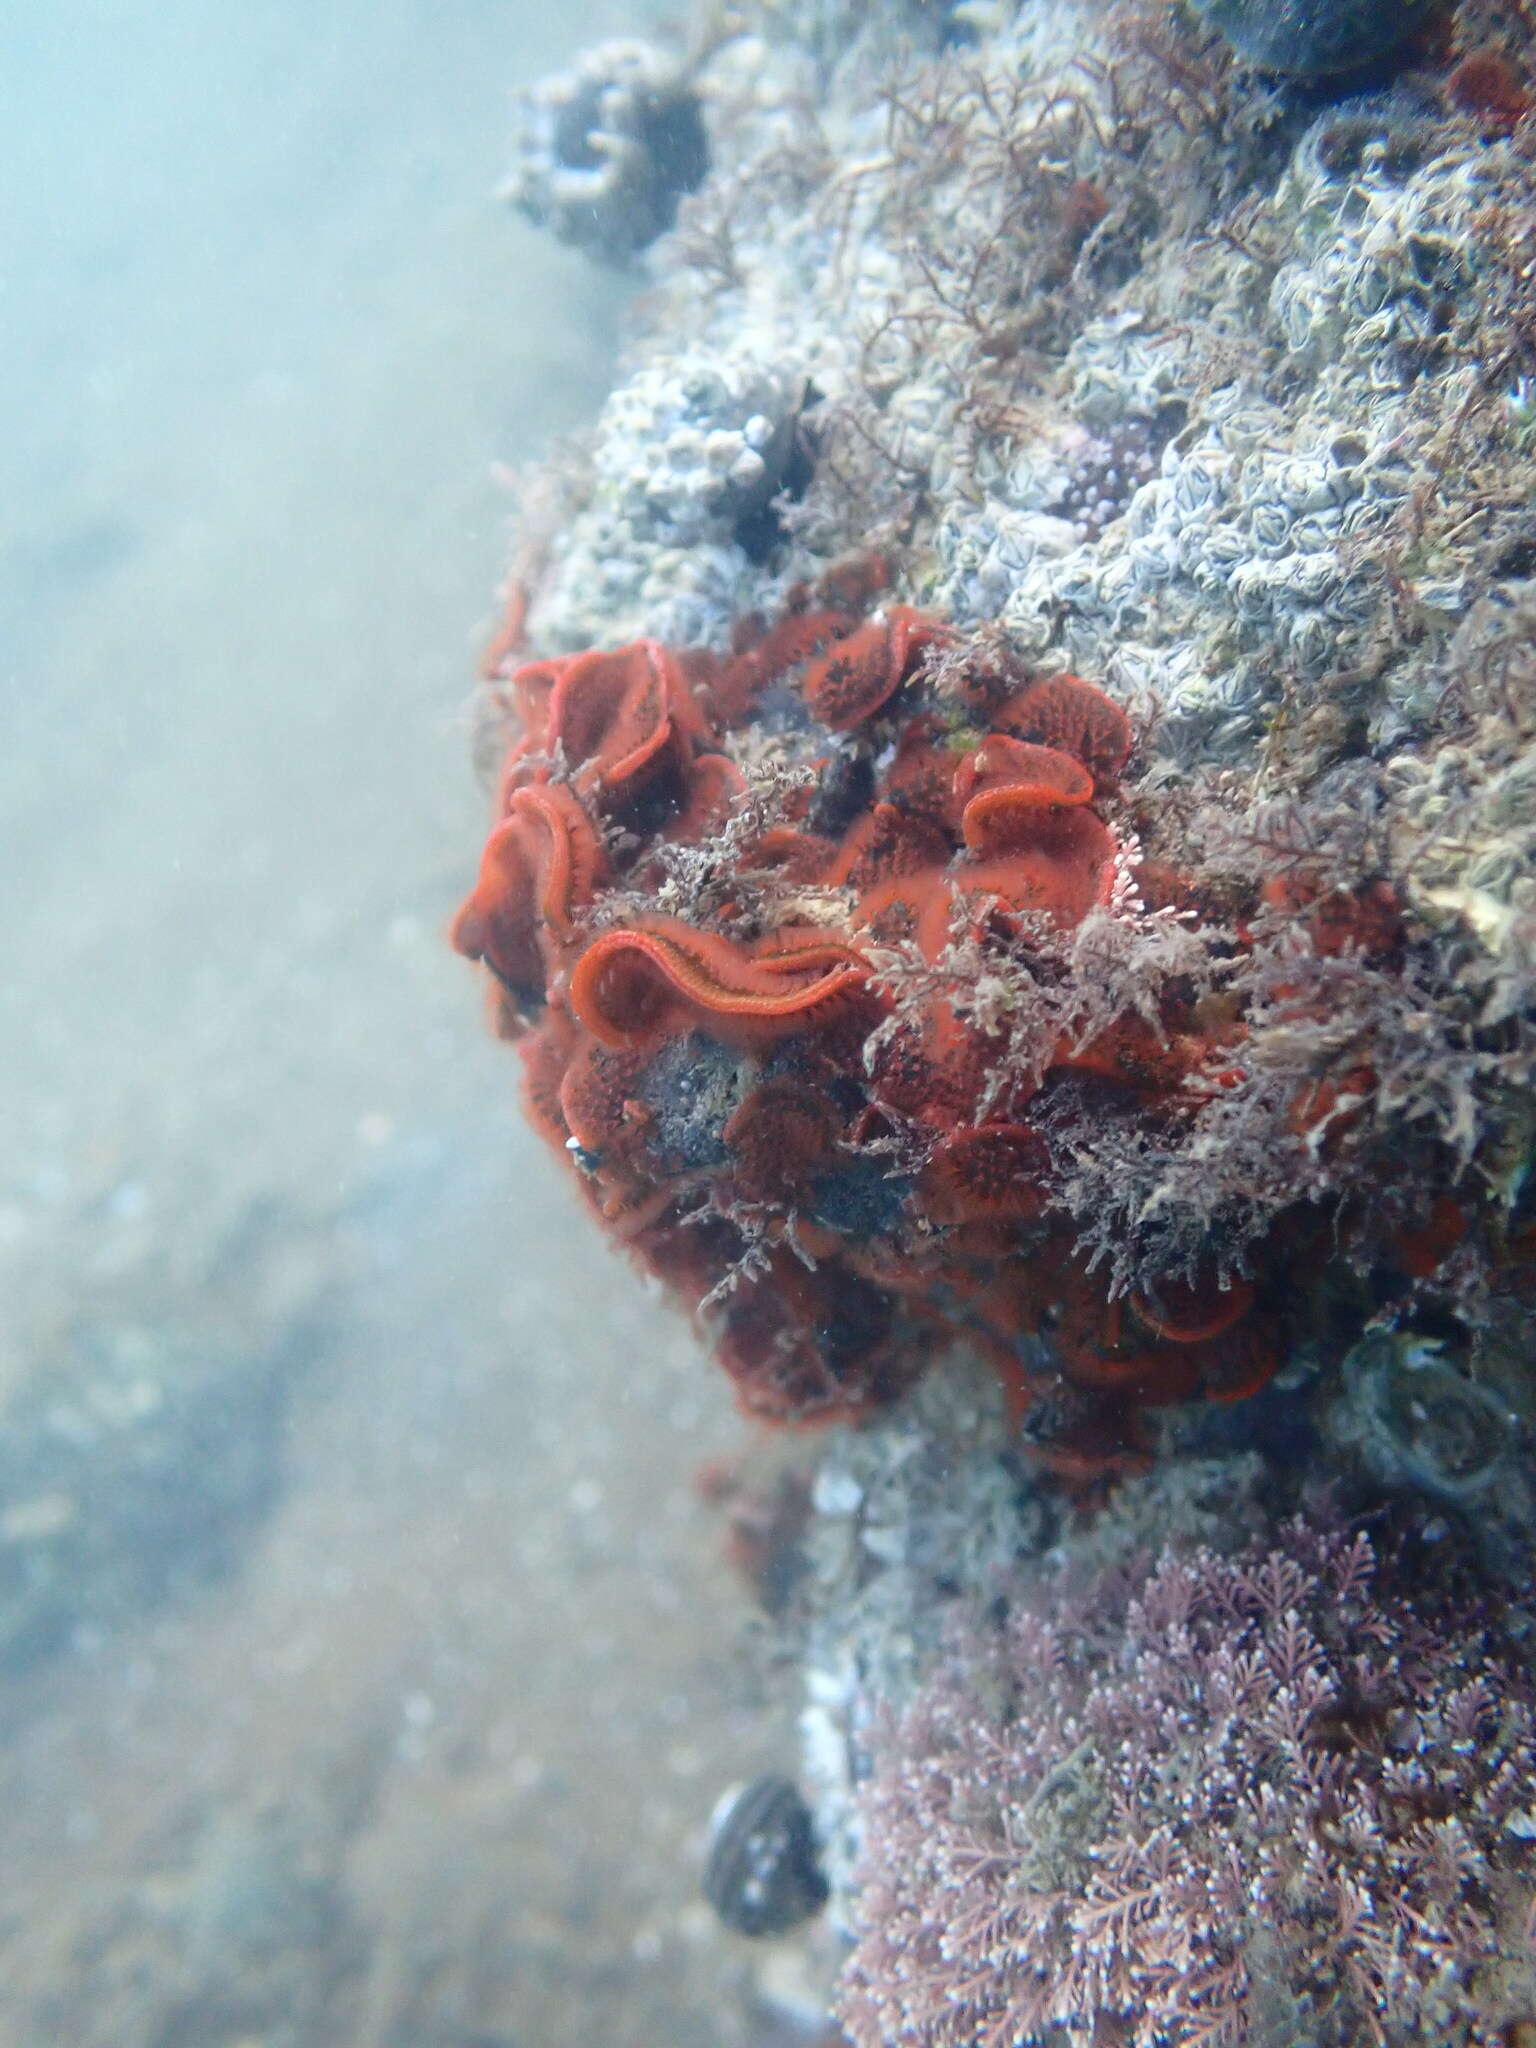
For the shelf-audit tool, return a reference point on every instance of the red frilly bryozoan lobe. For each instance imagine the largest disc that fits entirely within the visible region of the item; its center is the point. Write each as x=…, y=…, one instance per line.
x=709, y=1029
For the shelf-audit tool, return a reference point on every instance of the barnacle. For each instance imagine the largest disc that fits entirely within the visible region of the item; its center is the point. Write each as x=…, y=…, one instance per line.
x=1423, y=1422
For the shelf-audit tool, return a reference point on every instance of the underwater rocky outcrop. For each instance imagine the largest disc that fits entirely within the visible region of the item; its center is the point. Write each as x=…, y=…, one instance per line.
x=1014, y=830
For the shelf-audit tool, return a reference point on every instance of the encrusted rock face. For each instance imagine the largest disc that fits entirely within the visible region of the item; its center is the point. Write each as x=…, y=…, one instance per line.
x=1015, y=820
x=1136, y=372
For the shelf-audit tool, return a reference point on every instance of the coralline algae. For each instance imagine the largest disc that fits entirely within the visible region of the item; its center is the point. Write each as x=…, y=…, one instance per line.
x=1251, y=1797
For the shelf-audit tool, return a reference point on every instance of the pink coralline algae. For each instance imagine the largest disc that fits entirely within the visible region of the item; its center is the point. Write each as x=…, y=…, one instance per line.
x=1250, y=1800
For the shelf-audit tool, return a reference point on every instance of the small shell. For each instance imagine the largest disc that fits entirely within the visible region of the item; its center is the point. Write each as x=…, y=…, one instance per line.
x=1270, y=528
x=1202, y=480
x=1311, y=641
x=1422, y=1419
x=1154, y=557
x=761, y=1874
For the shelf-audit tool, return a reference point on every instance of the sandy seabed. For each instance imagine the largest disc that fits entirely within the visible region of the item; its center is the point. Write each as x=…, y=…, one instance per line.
x=367, y=1666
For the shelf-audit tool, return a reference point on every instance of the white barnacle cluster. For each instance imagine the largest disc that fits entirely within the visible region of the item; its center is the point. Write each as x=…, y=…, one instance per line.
x=1380, y=303
x=603, y=150
x=694, y=441
x=607, y=588
x=689, y=451
x=1195, y=487
x=1221, y=556
x=1249, y=554
x=1252, y=514
x=1382, y=243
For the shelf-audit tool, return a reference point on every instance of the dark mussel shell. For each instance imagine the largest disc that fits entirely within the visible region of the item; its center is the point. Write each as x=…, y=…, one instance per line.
x=761, y=1874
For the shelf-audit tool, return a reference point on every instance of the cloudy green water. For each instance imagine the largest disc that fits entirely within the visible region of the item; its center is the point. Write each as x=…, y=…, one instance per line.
x=367, y=1668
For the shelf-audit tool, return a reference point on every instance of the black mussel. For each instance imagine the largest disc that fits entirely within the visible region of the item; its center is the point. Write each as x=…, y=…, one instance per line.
x=761, y=1874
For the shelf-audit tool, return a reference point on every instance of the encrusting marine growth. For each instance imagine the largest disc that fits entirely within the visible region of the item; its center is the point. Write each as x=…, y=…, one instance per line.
x=1216, y=1799
x=841, y=983
x=1091, y=929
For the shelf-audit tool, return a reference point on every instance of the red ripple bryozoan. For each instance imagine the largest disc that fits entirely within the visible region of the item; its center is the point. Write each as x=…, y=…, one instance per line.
x=723, y=904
